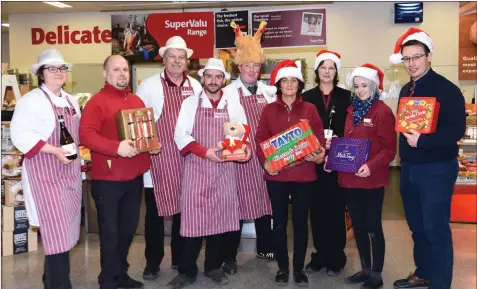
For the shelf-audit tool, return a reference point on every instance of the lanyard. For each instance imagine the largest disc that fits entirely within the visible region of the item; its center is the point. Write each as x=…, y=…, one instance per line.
x=326, y=102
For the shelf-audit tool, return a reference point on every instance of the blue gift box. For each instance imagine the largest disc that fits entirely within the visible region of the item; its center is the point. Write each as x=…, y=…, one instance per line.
x=348, y=154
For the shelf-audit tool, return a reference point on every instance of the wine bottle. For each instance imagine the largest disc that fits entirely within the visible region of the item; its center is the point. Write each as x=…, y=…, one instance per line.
x=66, y=140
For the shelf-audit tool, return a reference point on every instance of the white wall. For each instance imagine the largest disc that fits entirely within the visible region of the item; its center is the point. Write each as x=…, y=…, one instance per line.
x=5, y=48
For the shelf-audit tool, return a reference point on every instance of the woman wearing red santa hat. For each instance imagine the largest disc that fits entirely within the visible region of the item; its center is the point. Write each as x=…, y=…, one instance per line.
x=327, y=210
x=370, y=118
x=299, y=181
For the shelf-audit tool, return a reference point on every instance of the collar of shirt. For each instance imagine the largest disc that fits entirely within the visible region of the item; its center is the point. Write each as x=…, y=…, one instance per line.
x=425, y=77
x=298, y=100
x=169, y=81
x=245, y=90
x=214, y=103
x=113, y=90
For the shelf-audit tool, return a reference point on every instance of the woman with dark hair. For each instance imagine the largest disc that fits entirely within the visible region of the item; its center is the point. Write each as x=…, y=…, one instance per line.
x=327, y=210
x=298, y=181
x=369, y=118
x=51, y=174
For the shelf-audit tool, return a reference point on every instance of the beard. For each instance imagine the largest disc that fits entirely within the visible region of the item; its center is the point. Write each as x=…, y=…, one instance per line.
x=212, y=89
x=122, y=84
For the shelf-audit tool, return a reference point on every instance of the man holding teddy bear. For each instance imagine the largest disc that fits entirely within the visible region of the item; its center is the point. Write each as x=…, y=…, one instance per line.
x=209, y=202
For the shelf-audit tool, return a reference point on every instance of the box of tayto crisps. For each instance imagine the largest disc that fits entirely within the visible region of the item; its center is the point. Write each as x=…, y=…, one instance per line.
x=290, y=146
x=418, y=113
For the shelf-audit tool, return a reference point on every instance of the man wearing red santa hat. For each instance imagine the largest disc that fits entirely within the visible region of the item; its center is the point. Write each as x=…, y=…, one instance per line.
x=429, y=164
x=327, y=210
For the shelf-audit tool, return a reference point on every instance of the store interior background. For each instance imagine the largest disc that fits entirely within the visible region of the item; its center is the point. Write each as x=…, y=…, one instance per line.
x=360, y=31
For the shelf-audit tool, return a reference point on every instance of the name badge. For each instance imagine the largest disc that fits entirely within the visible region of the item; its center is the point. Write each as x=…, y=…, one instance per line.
x=367, y=122
x=186, y=93
x=261, y=100
x=221, y=115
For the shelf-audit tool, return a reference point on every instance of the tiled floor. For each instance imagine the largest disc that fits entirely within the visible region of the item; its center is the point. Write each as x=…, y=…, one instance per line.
x=24, y=271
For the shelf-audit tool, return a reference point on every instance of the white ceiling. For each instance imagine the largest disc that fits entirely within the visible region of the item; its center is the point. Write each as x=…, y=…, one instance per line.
x=31, y=7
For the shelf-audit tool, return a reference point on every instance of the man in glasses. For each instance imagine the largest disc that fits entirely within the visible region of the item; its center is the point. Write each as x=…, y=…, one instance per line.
x=429, y=164
x=254, y=203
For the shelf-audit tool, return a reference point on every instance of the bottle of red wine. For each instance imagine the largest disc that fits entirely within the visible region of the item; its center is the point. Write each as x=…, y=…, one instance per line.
x=66, y=140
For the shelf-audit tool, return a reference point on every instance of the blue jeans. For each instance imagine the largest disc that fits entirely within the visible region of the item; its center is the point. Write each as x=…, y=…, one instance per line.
x=426, y=191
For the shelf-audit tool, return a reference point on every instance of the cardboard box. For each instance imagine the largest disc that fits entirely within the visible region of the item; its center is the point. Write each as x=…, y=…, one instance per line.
x=290, y=146
x=348, y=154
x=13, y=193
x=14, y=218
x=20, y=241
x=418, y=113
x=139, y=126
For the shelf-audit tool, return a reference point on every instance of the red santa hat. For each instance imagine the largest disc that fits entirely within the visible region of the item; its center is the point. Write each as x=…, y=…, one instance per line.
x=412, y=33
x=286, y=68
x=247, y=132
x=370, y=72
x=328, y=55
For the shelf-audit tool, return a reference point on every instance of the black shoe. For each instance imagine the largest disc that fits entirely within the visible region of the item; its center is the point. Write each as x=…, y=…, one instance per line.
x=218, y=276
x=281, y=279
x=126, y=282
x=412, y=281
x=300, y=279
x=372, y=283
x=333, y=271
x=175, y=267
x=312, y=268
x=180, y=281
x=230, y=267
x=150, y=273
x=269, y=256
x=357, y=278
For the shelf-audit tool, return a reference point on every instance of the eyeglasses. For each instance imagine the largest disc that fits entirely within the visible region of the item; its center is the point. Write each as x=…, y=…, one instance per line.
x=413, y=58
x=53, y=69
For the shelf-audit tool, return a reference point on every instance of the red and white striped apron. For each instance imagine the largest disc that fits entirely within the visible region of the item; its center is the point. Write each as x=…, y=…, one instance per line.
x=166, y=166
x=209, y=202
x=254, y=201
x=56, y=189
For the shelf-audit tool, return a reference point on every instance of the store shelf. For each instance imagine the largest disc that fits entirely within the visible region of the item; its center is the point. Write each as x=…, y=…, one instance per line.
x=17, y=153
x=17, y=178
x=467, y=142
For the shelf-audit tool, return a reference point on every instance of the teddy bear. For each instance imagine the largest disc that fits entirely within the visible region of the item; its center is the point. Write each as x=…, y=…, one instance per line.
x=235, y=142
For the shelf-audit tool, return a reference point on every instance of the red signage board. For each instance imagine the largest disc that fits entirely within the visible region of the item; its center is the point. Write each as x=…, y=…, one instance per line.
x=197, y=29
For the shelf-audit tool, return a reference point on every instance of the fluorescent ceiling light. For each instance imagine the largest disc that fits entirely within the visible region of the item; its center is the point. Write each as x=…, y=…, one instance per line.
x=6, y=24
x=58, y=4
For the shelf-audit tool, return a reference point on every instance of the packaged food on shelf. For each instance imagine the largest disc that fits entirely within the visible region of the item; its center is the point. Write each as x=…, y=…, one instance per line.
x=13, y=193
x=19, y=241
x=11, y=165
x=14, y=218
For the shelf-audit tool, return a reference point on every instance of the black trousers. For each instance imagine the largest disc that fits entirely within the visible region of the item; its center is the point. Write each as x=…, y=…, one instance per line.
x=327, y=216
x=154, y=234
x=117, y=205
x=365, y=207
x=192, y=247
x=300, y=193
x=56, y=273
x=263, y=229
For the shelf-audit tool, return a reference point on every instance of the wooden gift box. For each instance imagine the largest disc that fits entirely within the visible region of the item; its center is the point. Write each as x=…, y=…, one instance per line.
x=139, y=126
x=418, y=113
x=289, y=147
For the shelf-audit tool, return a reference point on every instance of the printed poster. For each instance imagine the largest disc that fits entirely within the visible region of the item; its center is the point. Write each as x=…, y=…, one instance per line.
x=305, y=27
x=468, y=41
x=224, y=33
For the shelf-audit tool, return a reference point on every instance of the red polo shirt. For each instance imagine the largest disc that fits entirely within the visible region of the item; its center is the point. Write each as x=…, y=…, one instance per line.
x=98, y=132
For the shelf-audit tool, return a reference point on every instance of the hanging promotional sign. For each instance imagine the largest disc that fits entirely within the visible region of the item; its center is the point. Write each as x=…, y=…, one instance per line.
x=197, y=29
x=306, y=27
x=224, y=34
